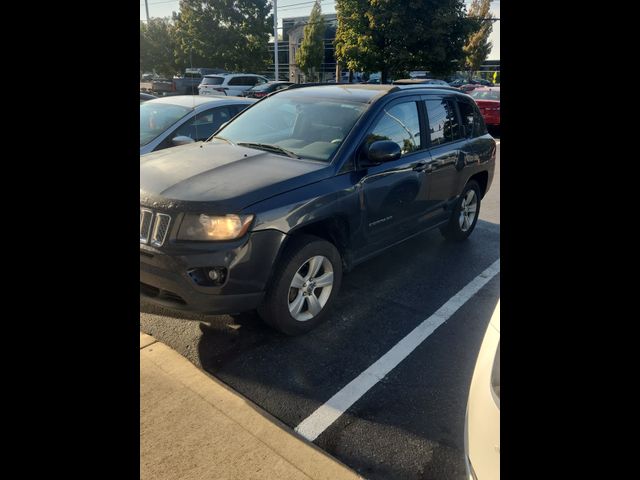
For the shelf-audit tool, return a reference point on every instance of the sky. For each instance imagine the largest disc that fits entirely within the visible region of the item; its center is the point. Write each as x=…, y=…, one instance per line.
x=292, y=8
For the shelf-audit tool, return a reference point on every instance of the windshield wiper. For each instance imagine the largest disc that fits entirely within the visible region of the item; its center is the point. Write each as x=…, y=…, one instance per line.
x=268, y=147
x=221, y=138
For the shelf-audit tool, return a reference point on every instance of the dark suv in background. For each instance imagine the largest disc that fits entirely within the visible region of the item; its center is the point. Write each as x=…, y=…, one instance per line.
x=301, y=187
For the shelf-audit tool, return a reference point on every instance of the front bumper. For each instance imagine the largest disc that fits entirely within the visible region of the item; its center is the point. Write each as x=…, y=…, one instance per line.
x=165, y=279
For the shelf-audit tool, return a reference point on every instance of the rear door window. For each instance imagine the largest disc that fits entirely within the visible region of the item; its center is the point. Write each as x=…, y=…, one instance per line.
x=236, y=81
x=444, y=126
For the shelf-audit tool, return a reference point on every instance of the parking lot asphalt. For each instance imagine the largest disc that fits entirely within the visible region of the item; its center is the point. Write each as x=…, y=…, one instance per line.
x=409, y=424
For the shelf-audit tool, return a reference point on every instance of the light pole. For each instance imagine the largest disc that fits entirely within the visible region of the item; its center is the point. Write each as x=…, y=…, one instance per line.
x=146, y=7
x=275, y=36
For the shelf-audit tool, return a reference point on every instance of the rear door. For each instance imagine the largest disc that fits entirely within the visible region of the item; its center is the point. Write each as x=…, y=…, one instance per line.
x=236, y=85
x=447, y=141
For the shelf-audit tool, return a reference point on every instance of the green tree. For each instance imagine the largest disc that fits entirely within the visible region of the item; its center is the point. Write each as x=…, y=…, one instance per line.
x=311, y=52
x=478, y=46
x=144, y=49
x=394, y=37
x=230, y=34
x=157, y=46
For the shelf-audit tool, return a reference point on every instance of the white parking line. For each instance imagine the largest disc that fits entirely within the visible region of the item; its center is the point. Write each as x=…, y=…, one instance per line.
x=323, y=417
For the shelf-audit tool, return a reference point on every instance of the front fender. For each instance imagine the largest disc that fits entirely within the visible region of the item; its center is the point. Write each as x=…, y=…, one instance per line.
x=312, y=203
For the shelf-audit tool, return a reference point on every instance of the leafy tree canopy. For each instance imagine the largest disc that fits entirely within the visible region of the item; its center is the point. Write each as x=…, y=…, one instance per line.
x=478, y=46
x=394, y=36
x=311, y=52
x=230, y=34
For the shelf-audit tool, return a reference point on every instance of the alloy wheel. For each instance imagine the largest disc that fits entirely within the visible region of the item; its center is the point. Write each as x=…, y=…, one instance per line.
x=310, y=288
x=468, y=210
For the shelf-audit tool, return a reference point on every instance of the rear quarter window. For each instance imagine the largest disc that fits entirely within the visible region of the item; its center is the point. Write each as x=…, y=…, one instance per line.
x=480, y=128
x=469, y=118
x=212, y=80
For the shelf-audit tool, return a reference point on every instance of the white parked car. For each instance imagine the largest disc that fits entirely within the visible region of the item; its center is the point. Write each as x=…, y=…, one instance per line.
x=171, y=121
x=482, y=422
x=229, y=83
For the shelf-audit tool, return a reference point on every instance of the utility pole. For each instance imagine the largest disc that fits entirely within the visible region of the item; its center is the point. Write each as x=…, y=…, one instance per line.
x=275, y=36
x=146, y=7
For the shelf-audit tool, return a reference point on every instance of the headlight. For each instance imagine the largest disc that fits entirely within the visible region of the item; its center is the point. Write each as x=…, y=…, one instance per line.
x=207, y=227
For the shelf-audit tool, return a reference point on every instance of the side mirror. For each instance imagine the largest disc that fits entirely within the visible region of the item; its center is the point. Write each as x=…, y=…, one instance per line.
x=380, y=152
x=181, y=140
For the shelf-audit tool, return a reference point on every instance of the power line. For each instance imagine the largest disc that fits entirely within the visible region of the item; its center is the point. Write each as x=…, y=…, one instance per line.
x=306, y=23
x=294, y=4
x=294, y=7
x=165, y=1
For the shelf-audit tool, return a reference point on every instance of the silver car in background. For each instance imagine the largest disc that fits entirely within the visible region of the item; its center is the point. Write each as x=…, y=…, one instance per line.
x=229, y=83
x=177, y=120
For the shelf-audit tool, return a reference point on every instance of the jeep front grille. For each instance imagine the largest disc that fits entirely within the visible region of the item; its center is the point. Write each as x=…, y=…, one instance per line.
x=153, y=228
x=160, y=229
x=146, y=217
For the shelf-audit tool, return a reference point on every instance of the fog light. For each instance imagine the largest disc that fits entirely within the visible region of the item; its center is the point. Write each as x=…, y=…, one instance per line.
x=208, y=276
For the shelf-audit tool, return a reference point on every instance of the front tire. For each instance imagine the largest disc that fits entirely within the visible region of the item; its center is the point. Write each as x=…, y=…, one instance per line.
x=465, y=214
x=304, y=286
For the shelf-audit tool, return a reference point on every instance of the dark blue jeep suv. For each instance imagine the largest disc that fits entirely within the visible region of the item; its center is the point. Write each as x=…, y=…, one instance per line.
x=269, y=212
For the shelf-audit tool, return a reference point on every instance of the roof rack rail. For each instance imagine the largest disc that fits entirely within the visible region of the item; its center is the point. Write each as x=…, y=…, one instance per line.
x=397, y=88
x=315, y=84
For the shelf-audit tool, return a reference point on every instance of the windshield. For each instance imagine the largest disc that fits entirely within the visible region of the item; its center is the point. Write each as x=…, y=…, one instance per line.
x=311, y=128
x=212, y=80
x=486, y=94
x=155, y=118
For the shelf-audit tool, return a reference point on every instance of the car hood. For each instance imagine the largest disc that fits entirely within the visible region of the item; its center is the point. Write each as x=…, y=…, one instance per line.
x=229, y=176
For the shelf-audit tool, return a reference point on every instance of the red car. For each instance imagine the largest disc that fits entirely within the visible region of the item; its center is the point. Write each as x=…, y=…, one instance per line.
x=488, y=100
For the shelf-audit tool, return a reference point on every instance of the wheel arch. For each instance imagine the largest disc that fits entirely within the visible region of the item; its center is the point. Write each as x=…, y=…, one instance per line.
x=482, y=178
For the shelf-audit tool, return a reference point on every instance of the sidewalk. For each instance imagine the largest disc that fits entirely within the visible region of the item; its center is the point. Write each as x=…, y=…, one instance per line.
x=194, y=427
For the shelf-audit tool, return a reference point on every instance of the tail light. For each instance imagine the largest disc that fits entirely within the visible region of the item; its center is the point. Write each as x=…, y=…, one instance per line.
x=173, y=86
x=260, y=94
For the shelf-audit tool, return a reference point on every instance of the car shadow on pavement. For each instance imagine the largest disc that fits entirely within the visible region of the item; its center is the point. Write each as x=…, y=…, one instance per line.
x=418, y=411
x=388, y=289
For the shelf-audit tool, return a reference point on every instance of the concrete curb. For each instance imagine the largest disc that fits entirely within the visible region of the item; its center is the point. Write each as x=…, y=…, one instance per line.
x=194, y=426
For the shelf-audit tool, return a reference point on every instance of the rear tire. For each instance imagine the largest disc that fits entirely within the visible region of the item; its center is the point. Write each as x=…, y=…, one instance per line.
x=304, y=286
x=465, y=214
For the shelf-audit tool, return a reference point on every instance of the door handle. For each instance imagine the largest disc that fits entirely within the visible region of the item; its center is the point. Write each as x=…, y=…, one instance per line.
x=422, y=166
x=461, y=160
